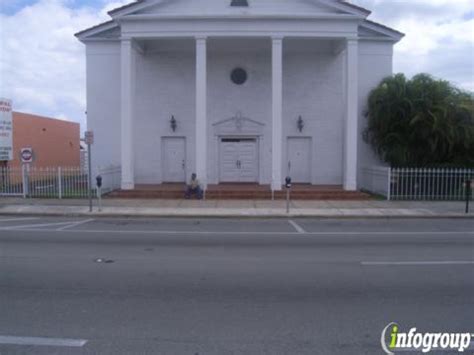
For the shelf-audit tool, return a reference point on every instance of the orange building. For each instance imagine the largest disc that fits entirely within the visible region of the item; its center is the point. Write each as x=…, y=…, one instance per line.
x=54, y=142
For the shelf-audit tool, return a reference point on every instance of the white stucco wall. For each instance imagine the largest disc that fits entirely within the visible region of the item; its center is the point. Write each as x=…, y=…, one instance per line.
x=312, y=88
x=165, y=35
x=375, y=63
x=103, y=102
x=165, y=87
x=252, y=99
x=312, y=81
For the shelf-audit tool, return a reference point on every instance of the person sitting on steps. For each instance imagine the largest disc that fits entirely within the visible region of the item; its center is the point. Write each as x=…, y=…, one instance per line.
x=193, y=188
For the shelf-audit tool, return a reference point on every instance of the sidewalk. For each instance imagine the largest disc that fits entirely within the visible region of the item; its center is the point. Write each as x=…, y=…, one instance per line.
x=224, y=208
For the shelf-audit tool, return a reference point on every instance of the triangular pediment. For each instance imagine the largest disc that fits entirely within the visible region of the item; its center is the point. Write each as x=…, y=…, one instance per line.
x=277, y=9
x=105, y=30
x=112, y=33
x=365, y=32
x=223, y=7
x=238, y=125
x=372, y=30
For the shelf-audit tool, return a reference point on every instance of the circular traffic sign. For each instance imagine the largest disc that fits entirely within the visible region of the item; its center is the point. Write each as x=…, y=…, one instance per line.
x=26, y=155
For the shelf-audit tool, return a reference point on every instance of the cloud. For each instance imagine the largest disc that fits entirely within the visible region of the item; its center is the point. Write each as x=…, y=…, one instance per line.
x=42, y=64
x=439, y=36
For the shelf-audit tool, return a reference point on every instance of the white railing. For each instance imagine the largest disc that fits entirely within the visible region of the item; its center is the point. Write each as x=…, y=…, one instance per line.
x=111, y=178
x=429, y=184
x=376, y=180
x=417, y=184
x=11, y=181
x=54, y=182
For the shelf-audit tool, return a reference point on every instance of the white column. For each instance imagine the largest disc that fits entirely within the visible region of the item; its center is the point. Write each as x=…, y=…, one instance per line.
x=352, y=115
x=201, y=110
x=127, y=102
x=277, y=108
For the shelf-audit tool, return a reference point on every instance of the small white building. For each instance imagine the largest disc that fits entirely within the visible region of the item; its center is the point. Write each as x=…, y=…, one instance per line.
x=234, y=90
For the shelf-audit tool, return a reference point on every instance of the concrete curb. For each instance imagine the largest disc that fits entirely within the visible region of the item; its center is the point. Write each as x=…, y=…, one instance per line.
x=68, y=211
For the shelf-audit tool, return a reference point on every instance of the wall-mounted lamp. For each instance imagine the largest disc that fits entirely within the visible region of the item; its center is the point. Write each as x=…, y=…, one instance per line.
x=173, y=124
x=300, y=124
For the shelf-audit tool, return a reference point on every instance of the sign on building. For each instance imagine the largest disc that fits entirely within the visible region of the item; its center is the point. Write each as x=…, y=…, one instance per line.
x=6, y=130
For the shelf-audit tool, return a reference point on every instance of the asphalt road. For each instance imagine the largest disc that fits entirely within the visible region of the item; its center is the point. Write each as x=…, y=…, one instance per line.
x=188, y=286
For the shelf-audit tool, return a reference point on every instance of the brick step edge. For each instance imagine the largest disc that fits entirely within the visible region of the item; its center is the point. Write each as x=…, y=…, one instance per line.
x=243, y=195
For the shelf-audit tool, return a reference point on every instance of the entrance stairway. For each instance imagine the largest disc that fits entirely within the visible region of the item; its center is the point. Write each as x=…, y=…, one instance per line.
x=242, y=192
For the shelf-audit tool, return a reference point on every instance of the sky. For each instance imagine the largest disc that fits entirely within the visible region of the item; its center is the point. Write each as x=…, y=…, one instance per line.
x=42, y=64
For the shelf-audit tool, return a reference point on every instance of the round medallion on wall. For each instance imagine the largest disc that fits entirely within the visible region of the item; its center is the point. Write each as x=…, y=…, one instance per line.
x=238, y=76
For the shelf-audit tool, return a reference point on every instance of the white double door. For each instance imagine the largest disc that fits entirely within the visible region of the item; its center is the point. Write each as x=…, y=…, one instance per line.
x=238, y=161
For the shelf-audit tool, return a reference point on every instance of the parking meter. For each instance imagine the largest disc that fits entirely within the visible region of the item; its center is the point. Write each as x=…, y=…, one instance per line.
x=98, y=181
x=288, y=187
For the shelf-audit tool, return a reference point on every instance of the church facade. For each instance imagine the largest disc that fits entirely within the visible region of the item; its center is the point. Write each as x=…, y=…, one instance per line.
x=237, y=91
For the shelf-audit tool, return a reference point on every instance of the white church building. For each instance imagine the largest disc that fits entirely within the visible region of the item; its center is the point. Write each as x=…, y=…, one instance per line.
x=237, y=91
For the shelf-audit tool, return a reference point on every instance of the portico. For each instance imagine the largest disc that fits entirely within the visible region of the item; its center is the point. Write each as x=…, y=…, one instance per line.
x=255, y=94
x=130, y=48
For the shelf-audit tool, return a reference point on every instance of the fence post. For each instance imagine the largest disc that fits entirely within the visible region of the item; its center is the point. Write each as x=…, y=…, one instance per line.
x=468, y=194
x=89, y=175
x=60, y=184
x=23, y=180
x=389, y=183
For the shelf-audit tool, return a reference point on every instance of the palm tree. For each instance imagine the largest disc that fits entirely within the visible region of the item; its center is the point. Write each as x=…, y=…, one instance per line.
x=421, y=122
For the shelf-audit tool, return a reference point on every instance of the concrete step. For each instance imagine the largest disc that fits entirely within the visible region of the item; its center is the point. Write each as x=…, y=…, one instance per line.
x=243, y=194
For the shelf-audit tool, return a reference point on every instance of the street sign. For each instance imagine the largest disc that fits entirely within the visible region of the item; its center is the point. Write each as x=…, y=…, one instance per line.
x=6, y=130
x=89, y=137
x=26, y=155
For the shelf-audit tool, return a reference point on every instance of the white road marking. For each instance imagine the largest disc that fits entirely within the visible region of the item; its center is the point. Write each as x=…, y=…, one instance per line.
x=28, y=226
x=18, y=219
x=158, y=232
x=418, y=263
x=37, y=341
x=75, y=224
x=296, y=226
x=153, y=232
